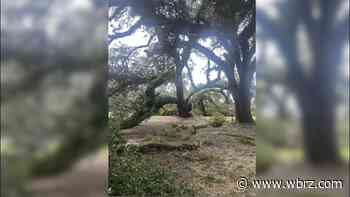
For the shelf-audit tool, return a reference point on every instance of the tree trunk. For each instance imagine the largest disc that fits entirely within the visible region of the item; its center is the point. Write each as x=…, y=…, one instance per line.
x=243, y=103
x=318, y=124
x=243, y=106
x=183, y=107
x=317, y=98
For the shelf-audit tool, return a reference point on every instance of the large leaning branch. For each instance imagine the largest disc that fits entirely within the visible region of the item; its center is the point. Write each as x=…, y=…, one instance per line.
x=226, y=67
x=152, y=102
x=212, y=85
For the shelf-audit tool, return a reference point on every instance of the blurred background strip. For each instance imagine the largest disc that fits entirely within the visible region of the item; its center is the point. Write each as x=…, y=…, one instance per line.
x=53, y=104
x=303, y=90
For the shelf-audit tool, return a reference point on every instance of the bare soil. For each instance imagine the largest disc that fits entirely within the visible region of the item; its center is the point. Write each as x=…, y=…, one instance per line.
x=219, y=157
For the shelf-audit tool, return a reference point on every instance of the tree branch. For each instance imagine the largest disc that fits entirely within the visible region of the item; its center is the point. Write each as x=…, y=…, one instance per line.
x=141, y=46
x=210, y=54
x=212, y=85
x=152, y=103
x=189, y=73
x=227, y=68
x=131, y=30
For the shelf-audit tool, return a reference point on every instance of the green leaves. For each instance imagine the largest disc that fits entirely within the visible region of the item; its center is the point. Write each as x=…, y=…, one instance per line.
x=134, y=175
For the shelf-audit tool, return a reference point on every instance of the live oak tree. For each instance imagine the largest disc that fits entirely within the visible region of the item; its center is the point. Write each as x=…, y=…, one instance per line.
x=180, y=26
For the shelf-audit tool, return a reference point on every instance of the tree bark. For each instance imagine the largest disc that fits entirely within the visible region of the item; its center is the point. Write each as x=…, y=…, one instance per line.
x=183, y=107
x=152, y=102
x=319, y=126
x=243, y=102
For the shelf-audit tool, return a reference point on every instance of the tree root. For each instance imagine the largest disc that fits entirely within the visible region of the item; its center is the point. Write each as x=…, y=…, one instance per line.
x=158, y=147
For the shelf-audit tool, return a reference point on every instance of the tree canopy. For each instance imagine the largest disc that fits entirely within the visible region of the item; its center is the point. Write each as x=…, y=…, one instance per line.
x=221, y=32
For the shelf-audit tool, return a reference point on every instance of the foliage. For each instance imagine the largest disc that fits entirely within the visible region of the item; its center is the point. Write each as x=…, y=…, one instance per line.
x=217, y=120
x=173, y=30
x=136, y=71
x=211, y=102
x=168, y=110
x=133, y=175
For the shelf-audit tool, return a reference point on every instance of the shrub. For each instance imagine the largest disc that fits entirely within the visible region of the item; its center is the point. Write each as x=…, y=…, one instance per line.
x=217, y=120
x=131, y=174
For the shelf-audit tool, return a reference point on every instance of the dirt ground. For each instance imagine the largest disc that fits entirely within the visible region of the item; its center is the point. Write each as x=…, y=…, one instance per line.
x=219, y=158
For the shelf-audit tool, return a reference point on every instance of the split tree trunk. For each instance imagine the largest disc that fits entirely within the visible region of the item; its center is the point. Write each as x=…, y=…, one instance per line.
x=183, y=108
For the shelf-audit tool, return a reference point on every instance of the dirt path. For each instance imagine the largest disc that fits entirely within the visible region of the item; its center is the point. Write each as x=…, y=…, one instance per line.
x=220, y=157
x=87, y=178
